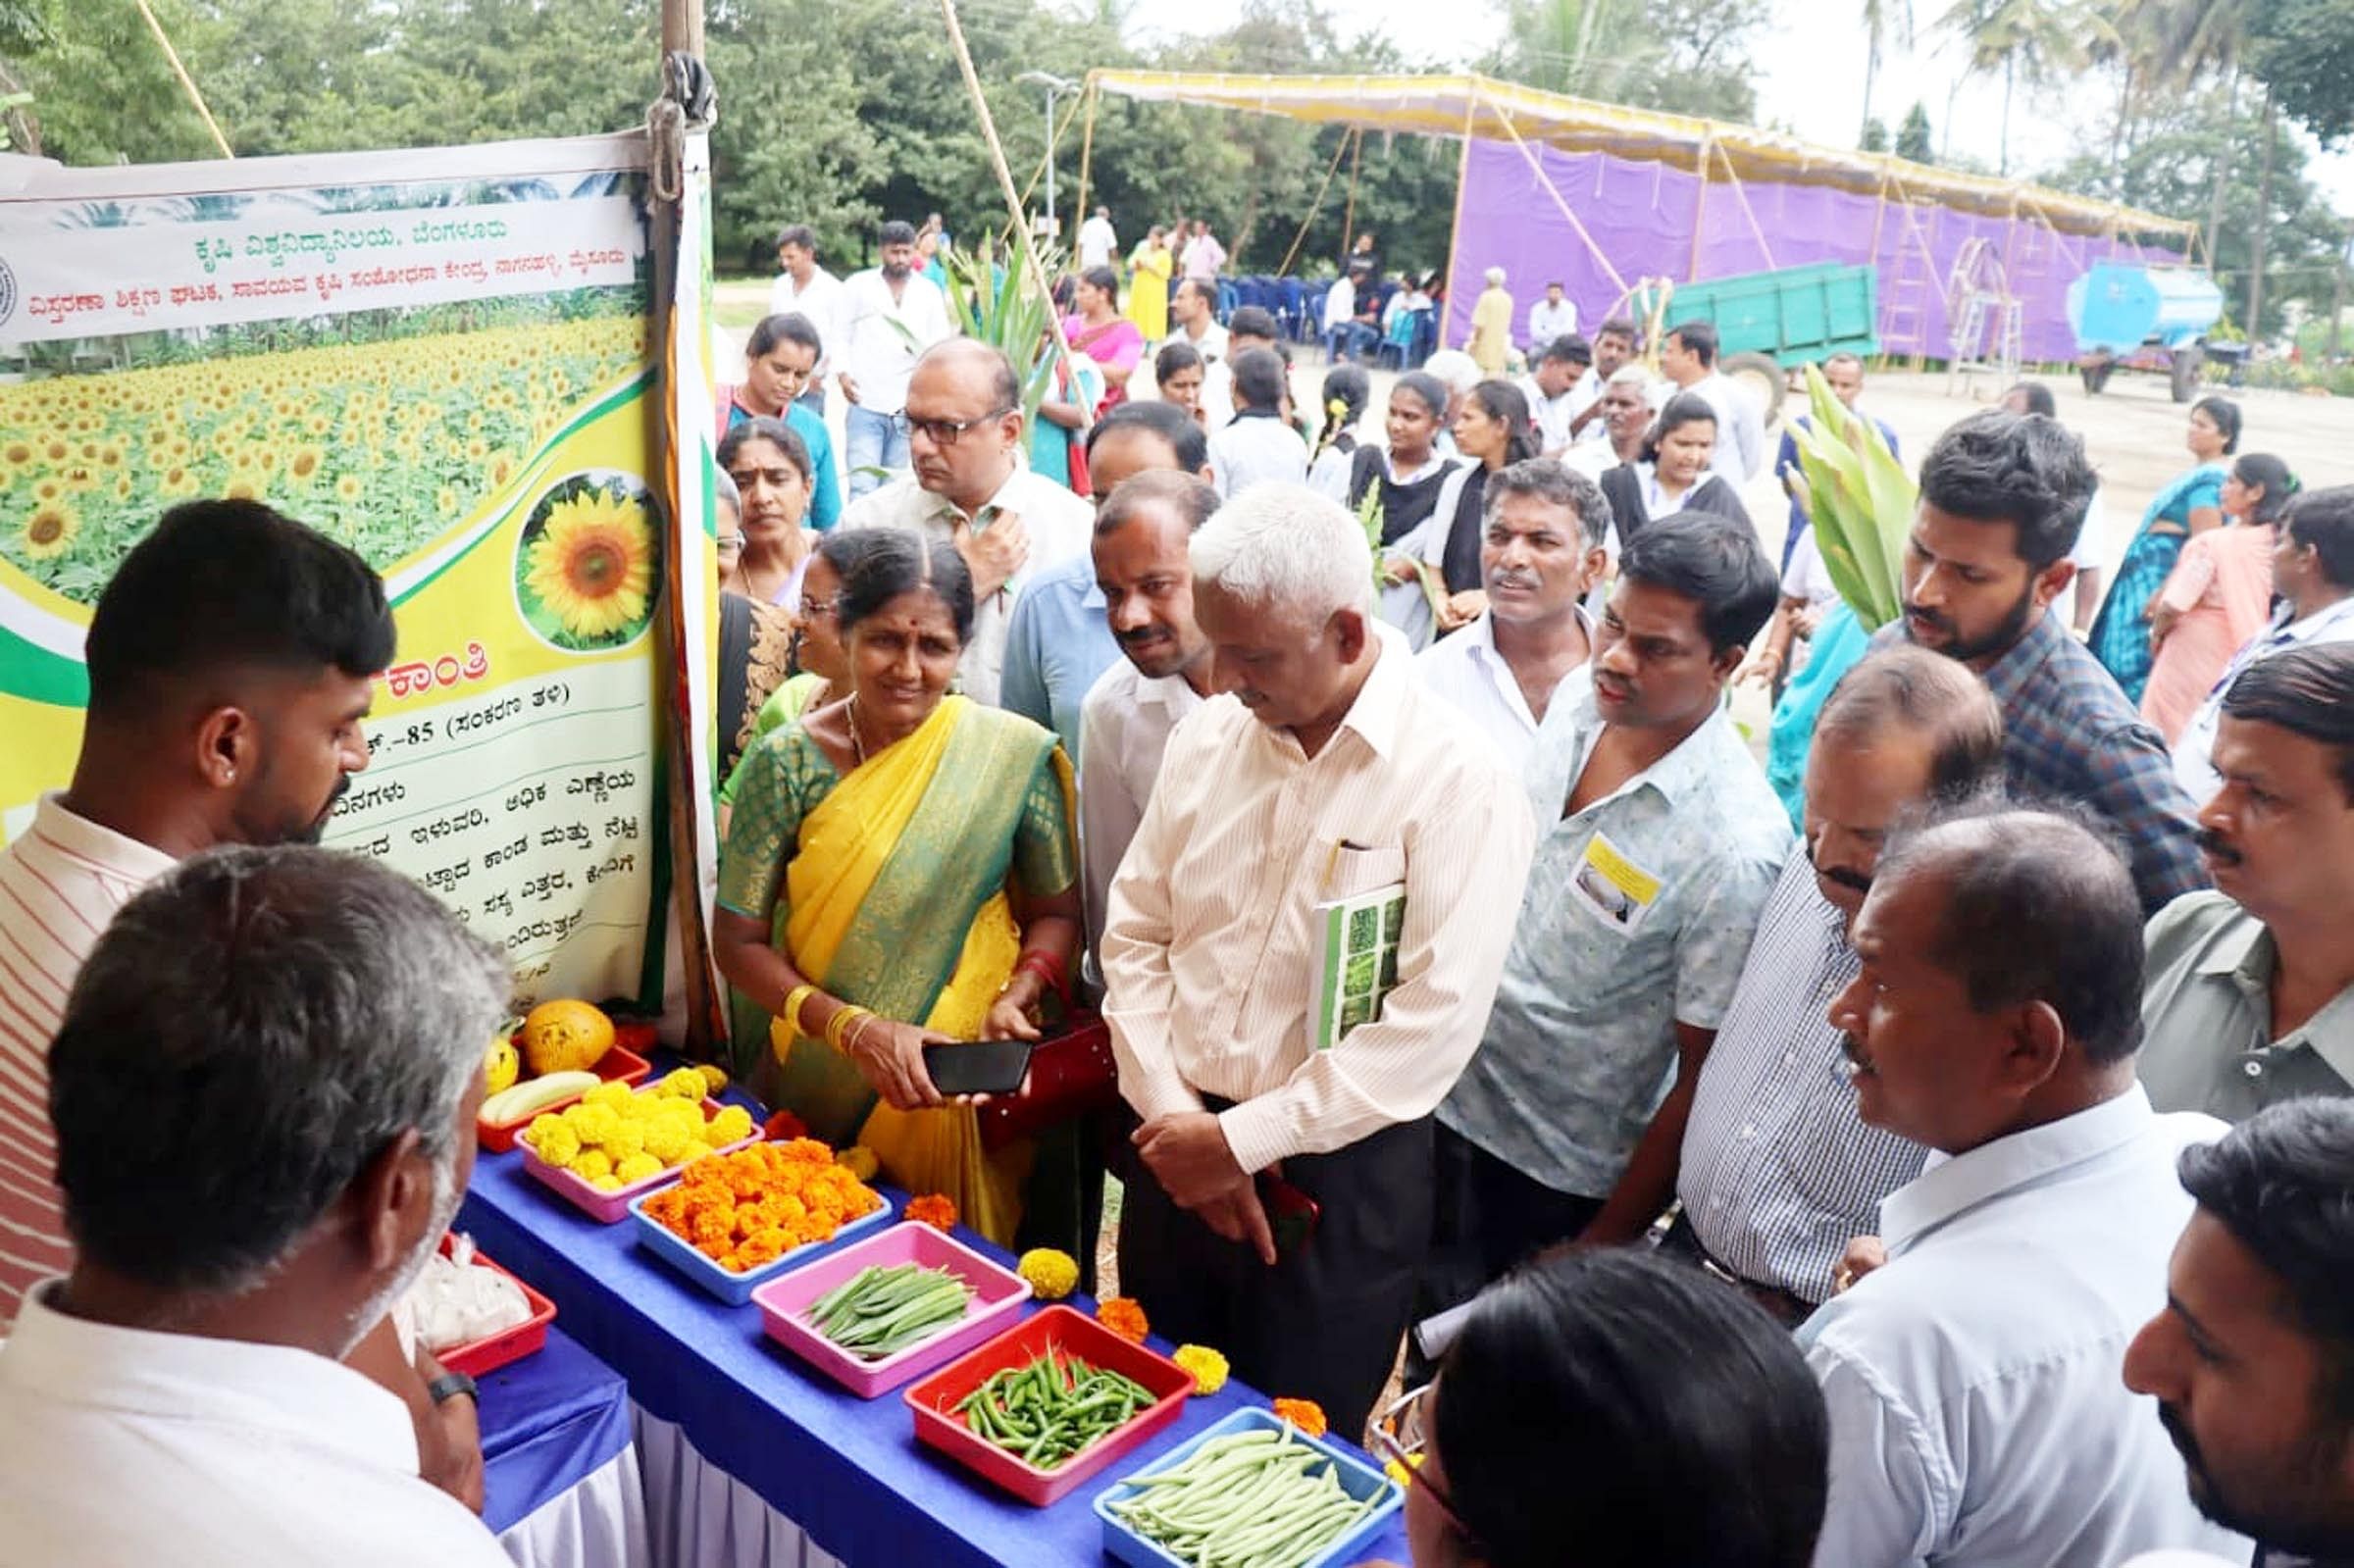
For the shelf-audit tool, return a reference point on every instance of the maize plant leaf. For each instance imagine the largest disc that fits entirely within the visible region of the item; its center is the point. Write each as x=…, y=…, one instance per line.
x=995, y=303
x=1861, y=500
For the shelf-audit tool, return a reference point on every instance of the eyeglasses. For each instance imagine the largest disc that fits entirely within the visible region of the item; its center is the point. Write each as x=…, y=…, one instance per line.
x=819, y=608
x=943, y=432
x=1399, y=1435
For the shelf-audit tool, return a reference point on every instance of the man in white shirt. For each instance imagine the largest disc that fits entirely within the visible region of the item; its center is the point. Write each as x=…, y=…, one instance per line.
x=263, y=1092
x=889, y=316
x=1550, y=318
x=231, y=659
x=1540, y=556
x=972, y=487
x=1340, y=320
x=1257, y=447
x=1688, y=358
x=1147, y=581
x=804, y=286
x=1972, y=1379
x=1097, y=240
x=2248, y=1360
x=1559, y=390
x=1194, y=308
x=1329, y=772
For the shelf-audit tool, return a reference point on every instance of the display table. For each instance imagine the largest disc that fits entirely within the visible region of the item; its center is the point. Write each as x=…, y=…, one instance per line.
x=844, y=1477
x=560, y=1473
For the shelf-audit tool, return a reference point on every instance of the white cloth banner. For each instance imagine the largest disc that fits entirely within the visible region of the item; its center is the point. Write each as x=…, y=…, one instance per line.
x=600, y=1523
x=697, y=1515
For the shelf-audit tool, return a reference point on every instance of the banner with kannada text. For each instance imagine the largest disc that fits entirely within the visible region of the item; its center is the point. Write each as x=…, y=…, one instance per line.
x=442, y=359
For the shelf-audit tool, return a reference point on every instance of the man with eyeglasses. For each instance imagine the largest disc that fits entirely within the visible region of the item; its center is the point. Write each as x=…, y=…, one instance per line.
x=973, y=488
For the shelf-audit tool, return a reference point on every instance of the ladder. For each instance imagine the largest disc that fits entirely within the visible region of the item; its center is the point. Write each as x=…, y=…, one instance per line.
x=1988, y=334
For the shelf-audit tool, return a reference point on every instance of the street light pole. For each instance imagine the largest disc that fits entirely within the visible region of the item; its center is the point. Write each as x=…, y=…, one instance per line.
x=1053, y=86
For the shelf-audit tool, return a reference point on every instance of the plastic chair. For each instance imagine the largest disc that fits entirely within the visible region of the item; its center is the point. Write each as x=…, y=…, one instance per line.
x=1290, y=299
x=1230, y=300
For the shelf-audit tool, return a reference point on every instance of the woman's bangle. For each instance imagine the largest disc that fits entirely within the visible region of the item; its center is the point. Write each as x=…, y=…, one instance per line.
x=790, y=1013
x=856, y=1031
x=1048, y=968
x=844, y=1017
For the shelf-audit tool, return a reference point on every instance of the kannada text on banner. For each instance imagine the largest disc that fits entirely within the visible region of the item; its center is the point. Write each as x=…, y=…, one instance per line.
x=440, y=359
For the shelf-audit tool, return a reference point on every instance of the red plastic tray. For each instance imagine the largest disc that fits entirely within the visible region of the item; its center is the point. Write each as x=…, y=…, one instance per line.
x=611, y=1208
x=935, y=1399
x=618, y=1065
x=527, y=1337
x=998, y=1296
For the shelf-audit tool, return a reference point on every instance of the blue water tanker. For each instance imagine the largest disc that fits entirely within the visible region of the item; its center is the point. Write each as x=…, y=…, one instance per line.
x=2147, y=318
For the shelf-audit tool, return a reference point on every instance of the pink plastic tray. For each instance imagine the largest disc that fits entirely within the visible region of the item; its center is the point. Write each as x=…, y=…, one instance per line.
x=611, y=1208
x=620, y=1065
x=997, y=1297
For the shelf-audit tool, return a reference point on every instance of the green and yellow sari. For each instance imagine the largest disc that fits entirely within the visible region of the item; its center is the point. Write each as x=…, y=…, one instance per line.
x=888, y=887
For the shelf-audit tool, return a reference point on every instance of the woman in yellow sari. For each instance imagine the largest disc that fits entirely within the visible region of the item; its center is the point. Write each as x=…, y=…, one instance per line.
x=900, y=871
x=1149, y=268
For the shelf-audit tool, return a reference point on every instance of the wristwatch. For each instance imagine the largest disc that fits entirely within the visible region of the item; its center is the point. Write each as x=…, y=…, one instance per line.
x=449, y=1384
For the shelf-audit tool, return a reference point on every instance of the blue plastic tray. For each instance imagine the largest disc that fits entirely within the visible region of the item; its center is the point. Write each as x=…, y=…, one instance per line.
x=1358, y=1478
x=730, y=1287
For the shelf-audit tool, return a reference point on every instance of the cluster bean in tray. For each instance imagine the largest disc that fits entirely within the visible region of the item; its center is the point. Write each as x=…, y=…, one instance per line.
x=878, y=1312
x=1256, y=1500
x=1053, y=1409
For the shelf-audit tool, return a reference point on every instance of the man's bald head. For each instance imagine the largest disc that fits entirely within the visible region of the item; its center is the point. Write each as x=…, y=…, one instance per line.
x=973, y=367
x=964, y=422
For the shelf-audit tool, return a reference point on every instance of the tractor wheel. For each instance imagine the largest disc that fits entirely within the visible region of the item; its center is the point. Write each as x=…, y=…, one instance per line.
x=1763, y=378
x=2185, y=372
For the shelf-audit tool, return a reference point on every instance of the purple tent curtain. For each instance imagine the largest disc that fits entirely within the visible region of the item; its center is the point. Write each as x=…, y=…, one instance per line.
x=1641, y=214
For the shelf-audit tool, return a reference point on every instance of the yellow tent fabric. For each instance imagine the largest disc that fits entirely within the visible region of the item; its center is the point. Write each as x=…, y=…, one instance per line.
x=1499, y=110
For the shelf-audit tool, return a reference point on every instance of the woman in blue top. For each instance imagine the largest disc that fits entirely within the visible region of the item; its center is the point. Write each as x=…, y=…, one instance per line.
x=2192, y=504
x=778, y=361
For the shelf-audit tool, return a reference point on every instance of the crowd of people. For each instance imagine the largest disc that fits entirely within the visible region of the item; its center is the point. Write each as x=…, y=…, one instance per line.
x=1945, y=1155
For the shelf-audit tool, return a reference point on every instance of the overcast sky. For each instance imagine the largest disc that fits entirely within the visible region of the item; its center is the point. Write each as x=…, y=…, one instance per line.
x=1809, y=71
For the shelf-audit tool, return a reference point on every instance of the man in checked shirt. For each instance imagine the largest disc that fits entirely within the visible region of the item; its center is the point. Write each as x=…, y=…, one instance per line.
x=1777, y=1172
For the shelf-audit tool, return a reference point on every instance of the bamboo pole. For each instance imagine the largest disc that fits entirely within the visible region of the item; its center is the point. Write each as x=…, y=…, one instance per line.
x=187, y=83
x=1087, y=145
x=1315, y=207
x=1536, y=165
x=1357, y=155
x=1741, y=194
x=1700, y=209
x=1013, y=202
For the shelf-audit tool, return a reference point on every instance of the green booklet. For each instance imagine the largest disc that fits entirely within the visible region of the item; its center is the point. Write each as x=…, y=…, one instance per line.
x=1356, y=961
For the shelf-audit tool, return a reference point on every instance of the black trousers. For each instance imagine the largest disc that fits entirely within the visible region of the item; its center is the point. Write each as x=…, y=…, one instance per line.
x=1324, y=1323
x=1490, y=1217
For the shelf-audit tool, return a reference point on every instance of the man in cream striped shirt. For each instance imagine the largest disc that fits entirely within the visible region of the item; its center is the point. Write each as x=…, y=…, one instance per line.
x=1278, y=1202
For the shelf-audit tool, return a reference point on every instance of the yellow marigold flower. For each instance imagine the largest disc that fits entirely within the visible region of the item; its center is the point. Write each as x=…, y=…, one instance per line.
x=637, y=1167
x=1209, y=1368
x=1053, y=1275
x=559, y=1144
x=607, y=1183
x=715, y=1077
x=627, y=1137
x=617, y=1096
x=683, y=1082
x=669, y=1142
x=731, y=1123
x=591, y=1163
x=860, y=1162
x=593, y=1123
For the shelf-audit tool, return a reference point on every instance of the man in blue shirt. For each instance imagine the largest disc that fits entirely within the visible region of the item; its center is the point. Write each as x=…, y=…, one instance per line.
x=2002, y=500
x=1660, y=843
x=1058, y=642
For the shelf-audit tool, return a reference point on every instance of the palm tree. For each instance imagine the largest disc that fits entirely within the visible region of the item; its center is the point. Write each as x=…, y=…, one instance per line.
x=1883, y=20
x=2037, y=39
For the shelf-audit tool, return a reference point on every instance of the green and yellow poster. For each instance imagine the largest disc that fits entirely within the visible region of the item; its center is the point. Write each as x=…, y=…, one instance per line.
x=440, y=358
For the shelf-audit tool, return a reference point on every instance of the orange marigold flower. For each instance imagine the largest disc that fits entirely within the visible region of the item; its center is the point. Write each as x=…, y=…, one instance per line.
x=1123, y=1317
x=934, y=1209
x=1306, y=1414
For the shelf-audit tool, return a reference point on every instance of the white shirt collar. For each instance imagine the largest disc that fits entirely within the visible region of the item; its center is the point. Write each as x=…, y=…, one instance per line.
x=1948, y=1186
x=147, y=1376
x=104, y=848
x=1004, y=500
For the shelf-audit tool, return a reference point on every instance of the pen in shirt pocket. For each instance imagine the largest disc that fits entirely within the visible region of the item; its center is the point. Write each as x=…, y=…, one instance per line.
x=1332, y=861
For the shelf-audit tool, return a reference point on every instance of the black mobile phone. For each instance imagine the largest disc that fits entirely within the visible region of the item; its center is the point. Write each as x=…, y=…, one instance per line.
x=983, y=1067
x=1291, y=1214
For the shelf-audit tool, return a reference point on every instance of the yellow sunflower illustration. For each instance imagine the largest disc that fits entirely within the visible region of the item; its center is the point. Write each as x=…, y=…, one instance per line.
x=50, y=530
x=592, y=567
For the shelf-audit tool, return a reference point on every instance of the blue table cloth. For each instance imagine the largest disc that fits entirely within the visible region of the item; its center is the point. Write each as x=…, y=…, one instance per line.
x=848, y=1471
x=548, y=1422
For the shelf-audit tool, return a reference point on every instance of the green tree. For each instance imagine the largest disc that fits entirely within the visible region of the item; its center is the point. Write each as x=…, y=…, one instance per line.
x=1914, y=140
x=1684, y=56
x=1883, y=19
x=102, y=91
x=2033, y=38
x=1875, y=136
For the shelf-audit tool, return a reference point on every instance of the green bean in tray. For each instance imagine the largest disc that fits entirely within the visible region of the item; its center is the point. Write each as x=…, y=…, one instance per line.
x=1053, y=1409
x=1255, y=1499
x=879, y=1312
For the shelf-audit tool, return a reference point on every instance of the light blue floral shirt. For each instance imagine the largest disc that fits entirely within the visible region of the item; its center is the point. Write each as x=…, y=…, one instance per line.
x=1638, y=916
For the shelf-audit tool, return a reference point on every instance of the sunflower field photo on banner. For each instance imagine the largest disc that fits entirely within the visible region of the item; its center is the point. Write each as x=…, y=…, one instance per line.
x=440, y=359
